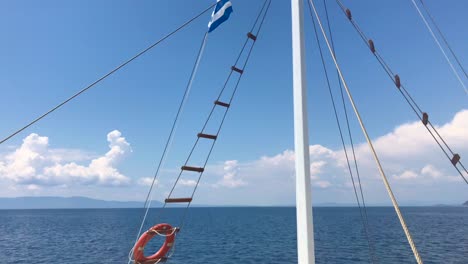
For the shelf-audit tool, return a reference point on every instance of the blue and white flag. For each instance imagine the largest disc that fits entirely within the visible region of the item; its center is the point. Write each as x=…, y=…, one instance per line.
x=220, y=14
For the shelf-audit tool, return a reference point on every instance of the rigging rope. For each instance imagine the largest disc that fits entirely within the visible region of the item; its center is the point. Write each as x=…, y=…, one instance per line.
x=267, y=3
x=170, y=138
x=409, y=99
x=107, y=74
x=382, y=173
x=363, y=217
x=440, y=46
x=443, y=38
x=233, y=69
x=349, y=130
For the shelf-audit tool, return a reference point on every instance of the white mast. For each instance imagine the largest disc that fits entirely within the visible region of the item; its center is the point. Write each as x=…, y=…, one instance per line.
x=305, y=227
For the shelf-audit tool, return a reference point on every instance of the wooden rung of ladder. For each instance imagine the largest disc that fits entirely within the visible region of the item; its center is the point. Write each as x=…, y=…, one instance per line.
x=178, y=200
x=234, y=68
x=455, y=159
x=221, y=103
x=201, y=135
x=251, y=36
x=196, y=169
x=425, y=119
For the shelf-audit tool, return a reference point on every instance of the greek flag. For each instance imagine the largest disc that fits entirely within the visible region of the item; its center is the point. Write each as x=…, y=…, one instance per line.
x=220, y=14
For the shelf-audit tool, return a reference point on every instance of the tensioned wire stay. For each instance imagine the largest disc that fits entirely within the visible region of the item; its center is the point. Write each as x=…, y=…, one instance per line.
x=440, y=46
x=169, y=141
x=350, y=136
x=359, y=200
x=251, y=37
x=106, y=75
x=369, y=142
x=225, y=106
x=454, y=158
x=443, y=38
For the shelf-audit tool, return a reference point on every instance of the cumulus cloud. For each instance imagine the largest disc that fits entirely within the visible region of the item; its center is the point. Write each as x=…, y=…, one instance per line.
x=189, y=183
x=406, y=175
x=411, y=140
x=34, y=163
x=414, y=164
x=230, y=177
x=317, y=168
x=33, y=187
x=146, y=181
x=408, y=154
x=278, y=168
x=431, y=171
x=427, y=174
x=322, y=184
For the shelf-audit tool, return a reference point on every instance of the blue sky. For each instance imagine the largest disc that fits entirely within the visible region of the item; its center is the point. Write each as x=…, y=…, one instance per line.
x=51, y=49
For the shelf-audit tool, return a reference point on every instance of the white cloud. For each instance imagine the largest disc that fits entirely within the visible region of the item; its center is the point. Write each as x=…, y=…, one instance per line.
x=230, y=178
x=316, y=168
x=146, y=181
x=406, y=175
x=322, y=184
x=431, y=171
x=277, y=169
x=414, y=164
x=408, y=154
x=33, y=187
x=21, y=164
x=189, y=183
x=412, y=141
x=34, y=163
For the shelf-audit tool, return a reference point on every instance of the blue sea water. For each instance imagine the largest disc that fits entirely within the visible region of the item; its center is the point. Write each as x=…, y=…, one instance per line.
x=233, y=235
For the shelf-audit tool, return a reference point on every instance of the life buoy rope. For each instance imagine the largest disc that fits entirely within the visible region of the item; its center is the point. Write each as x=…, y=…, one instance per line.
x=164, y=230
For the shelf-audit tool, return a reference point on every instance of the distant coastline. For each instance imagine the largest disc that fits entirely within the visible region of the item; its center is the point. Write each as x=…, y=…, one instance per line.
x=78, y=202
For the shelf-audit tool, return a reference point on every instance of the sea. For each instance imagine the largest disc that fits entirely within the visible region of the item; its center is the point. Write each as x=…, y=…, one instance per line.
x=234, y=235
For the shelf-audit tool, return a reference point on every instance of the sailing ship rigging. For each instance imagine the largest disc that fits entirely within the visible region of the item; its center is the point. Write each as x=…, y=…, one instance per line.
x=224, y=101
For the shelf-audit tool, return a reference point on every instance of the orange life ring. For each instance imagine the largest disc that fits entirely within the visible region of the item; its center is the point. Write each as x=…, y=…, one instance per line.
x=160, y=229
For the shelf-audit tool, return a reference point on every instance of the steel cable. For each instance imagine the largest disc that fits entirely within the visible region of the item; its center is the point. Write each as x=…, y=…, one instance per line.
x=382, y=173
x=106, y=75
x=361, y=210
x=409, y=99
x=211, y=113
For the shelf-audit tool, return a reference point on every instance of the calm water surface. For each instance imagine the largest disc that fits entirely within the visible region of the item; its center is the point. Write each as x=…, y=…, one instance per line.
x=233, y=235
